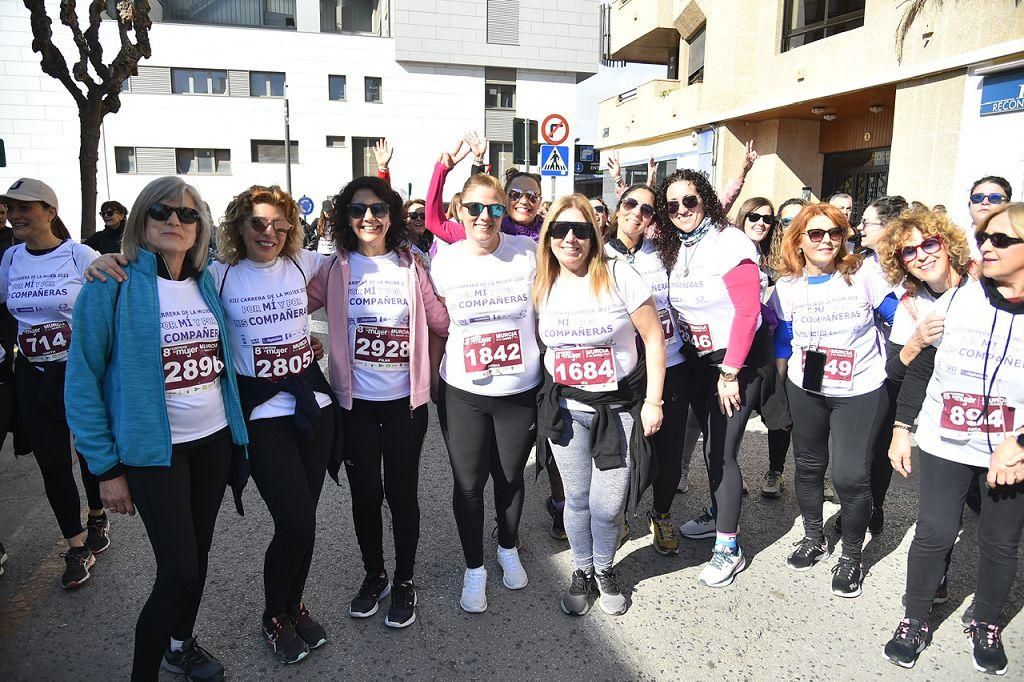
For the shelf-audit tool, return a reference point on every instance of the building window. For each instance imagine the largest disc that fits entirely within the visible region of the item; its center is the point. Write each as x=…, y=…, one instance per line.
x=500, y=158
x=363, y=160
x=335, y=141
x=266, y=84
x=203, y=161
x=124, y=160
x=366, y=17
x=272, y=151
x=199, y=82
x=373, y=89
x=255, y=13
x=336, y=88
x=500, y=96
x=806, y=21
x=695, y=61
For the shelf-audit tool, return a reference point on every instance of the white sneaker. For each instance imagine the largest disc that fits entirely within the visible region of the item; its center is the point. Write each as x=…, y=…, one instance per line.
x=701, y=527
x=723, y=567
x=474, y=590
x=514, y=575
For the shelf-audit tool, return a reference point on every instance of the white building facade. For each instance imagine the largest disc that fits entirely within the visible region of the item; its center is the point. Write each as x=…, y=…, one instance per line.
x=209, y=105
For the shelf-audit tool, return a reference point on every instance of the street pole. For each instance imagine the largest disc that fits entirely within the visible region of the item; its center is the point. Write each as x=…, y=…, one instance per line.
x=287, y=150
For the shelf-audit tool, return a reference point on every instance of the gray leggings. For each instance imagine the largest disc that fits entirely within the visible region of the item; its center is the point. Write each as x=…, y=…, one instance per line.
x=594, y=499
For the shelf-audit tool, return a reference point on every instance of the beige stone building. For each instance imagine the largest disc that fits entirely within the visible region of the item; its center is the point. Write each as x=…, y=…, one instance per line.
x=870, y=97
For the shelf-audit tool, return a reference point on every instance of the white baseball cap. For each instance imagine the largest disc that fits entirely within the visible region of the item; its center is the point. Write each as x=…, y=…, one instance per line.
x=29, y=189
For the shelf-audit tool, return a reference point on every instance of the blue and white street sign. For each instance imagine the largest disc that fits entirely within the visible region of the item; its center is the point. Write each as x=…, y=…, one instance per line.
x=305, y=205
x=554, y=160
x=1003, y=93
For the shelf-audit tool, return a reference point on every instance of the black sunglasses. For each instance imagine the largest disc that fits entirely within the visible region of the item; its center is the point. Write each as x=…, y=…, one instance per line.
x=646, y=210
x=107, y=212
x=690, y=201
x=994, y=198
x=160, y=211
x=600, y=209
x=517, y=194
x=379, y=210
x=835, y=234
x=766, y=218
x=560, y=228
x=260, y=225
x=930, y=245
x=417, y=215
x=998, y=239
x=475, y=208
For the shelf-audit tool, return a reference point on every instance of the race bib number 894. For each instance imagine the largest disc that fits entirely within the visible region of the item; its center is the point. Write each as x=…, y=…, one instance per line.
x=966, y=414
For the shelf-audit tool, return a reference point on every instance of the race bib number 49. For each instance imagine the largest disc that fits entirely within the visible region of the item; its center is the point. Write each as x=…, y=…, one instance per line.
x=275, y=362
x=191, y=367
x=839, y=363
x=46, y=342
x=493, y=354
x=382, y=348
x=966, y=414
x=591, y=368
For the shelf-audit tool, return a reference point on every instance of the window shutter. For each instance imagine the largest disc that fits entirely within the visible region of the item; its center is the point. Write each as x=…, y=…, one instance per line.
x=498, y=124
x=238, y=83
x=503, y=22
x=155, y=160
x=154, y=80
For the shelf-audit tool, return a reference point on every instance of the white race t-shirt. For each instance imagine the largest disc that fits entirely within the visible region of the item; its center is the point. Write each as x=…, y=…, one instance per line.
x=492, y=338
x=378, y=327
x=40, y=291
x=265, y=304
x=698, y=292
x=910, y=312
x=954, y=423
x=837, y=319
x=647, y=263
x=191, y=355
x=591, y=341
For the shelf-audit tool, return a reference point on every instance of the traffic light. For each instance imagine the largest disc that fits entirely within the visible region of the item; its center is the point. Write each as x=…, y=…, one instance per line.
x=523, y=129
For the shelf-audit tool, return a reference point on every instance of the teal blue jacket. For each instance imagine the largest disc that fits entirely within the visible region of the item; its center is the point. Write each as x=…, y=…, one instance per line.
x=114, y=390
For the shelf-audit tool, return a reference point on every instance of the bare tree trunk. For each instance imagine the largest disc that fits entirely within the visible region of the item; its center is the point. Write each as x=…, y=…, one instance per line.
x=90, y=116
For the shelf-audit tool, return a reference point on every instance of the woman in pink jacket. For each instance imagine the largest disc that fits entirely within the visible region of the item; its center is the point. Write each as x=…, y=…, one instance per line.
x=381, y=311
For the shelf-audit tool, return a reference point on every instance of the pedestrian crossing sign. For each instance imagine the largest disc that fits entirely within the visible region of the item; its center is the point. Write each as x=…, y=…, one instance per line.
x=553, y=160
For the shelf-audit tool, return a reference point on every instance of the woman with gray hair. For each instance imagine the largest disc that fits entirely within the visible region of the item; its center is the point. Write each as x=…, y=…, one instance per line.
x=158, y=338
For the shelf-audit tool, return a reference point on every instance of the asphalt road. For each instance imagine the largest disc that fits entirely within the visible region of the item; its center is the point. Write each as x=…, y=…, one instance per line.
x=771, y=623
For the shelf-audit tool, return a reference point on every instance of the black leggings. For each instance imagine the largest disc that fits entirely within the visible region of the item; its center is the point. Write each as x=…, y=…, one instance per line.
x=385, y=430
x=853, y=423
x=179, y=506
x=881, y=467
x=723, y=436
x=668, y=442
x=289, y=472
x=480, y=421
x=943, y=489
x=40, y=401
x=778, y=446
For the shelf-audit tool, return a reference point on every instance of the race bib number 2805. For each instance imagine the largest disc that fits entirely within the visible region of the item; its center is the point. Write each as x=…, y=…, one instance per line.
x=275, y=362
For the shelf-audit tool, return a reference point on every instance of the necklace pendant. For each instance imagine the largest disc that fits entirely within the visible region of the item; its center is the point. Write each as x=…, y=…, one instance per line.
x=686, y=272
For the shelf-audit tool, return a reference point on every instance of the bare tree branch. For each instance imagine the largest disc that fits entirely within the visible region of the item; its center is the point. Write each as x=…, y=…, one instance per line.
x=69, y=17
x=52, y=62
x=92, y=37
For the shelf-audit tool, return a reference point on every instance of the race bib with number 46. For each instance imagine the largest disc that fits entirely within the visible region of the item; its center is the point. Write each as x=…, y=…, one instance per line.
x=47, y=342
x=493, y=354
x=700, y=338
x=590, y=368
x=381, y=348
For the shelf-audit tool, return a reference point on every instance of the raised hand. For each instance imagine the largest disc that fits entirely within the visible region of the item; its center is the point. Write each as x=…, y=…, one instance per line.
x=477, y=144
x=613, y=164
x=750, y=156
x=383, y=152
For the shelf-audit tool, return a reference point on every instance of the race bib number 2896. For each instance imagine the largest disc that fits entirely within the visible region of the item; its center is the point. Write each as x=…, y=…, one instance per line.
x=191, y=367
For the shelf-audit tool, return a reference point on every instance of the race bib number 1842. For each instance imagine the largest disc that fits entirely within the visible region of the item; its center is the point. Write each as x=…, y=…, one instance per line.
x=493, y=354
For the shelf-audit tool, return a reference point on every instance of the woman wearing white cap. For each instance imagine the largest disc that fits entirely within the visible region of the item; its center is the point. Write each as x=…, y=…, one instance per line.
x=40, y=280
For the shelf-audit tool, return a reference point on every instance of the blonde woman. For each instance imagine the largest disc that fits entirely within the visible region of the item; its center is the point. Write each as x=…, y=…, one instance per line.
x=598, y=403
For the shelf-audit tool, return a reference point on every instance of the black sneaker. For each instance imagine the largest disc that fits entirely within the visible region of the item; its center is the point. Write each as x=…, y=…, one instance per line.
x=967, y=617
x=877, y=522
x=283, y=640
x=941, y=597
x=76, y=572
x=97, y=529
x=807, y=553
x=193, y=661
x=575, y=601
x=373, y=589
x=989, y=656
x=403, y=605
x=311, y=632
x=846, y=578
x=557, y=525
x=612, y=601
x=911, y=638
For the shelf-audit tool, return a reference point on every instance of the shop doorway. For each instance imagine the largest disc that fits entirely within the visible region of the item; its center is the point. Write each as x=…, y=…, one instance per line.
x=863, y=174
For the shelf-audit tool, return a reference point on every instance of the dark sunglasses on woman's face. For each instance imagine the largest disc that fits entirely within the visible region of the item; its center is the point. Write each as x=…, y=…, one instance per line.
x=929, y=246
x=690, y=201
x=517, y=194
x=998, y=239
x=994, y=198
x=475, y=208
x=561, y=228
x=836, y=234
x=417, y=215
x=160, y=211
x=379, y=210
x=766, y=218
x=260, y=225
x=646, y=210
x=108, y=213
x=600, y=209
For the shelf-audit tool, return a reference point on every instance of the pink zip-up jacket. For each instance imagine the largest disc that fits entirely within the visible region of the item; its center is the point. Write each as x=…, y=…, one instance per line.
x=329, y=289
